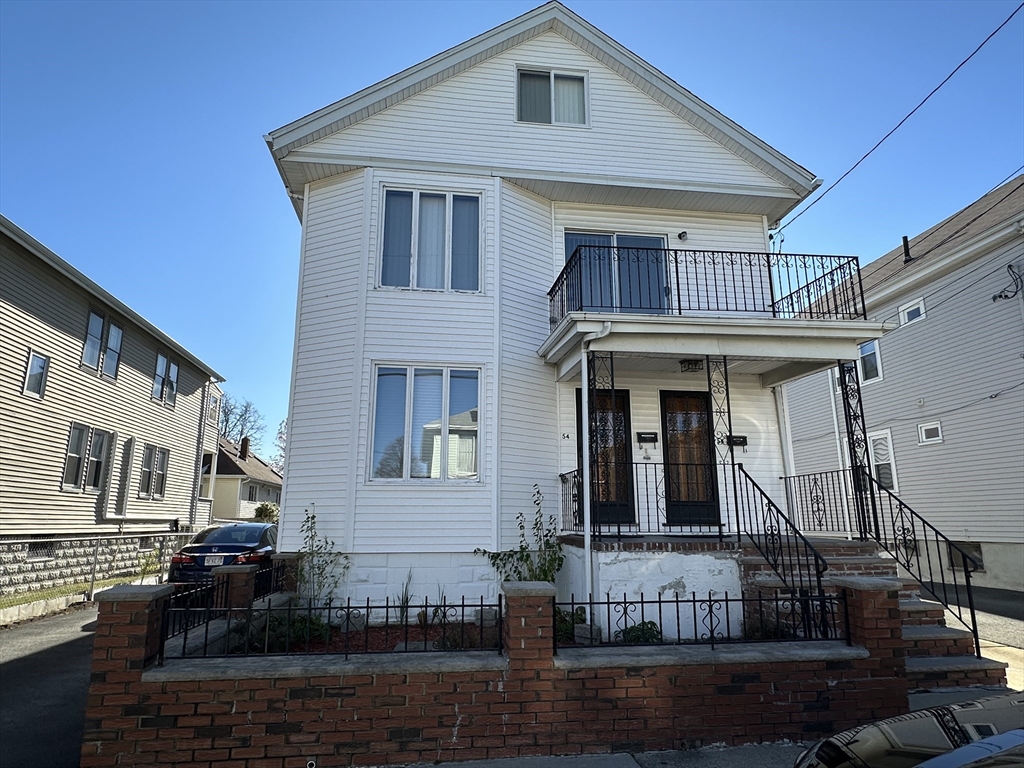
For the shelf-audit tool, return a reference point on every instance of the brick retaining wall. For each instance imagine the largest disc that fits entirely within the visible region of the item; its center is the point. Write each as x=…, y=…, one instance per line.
x=403, y=708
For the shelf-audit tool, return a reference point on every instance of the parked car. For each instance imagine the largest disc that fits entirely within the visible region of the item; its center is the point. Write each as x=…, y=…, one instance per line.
x=232, y=544
x=910, y=740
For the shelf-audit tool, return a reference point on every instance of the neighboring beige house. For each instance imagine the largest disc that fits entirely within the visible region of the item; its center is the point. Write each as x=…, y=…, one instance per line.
x=242, y=481
x=104, y=419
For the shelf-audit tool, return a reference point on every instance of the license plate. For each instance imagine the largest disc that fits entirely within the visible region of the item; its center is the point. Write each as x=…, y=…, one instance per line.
x=214, y=560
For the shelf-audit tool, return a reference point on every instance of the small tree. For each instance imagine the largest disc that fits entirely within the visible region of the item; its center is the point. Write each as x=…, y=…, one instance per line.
x=321, y=567
x=267, y=512
x=540, y=562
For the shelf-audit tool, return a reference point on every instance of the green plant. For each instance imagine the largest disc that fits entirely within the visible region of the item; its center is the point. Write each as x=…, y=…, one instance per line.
x=267, y=512
x=404, y=598
x=540, y=562
x=148, y=564
x=321, y=568
x=644, y=632
x=566, y=621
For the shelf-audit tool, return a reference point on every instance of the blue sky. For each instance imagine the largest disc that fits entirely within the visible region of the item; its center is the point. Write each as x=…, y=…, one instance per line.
x=131, y=133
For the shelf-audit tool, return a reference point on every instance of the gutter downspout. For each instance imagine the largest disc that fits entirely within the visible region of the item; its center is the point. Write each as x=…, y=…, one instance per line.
x=585, y=420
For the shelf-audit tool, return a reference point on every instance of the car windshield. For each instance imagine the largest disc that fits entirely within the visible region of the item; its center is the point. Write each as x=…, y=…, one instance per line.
x=231, y=534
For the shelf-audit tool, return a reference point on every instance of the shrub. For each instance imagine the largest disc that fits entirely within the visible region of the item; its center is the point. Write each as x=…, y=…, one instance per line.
x=566, y=621
x=321, y=567
x=644, y=632
x=267, y=512
x=542, y=561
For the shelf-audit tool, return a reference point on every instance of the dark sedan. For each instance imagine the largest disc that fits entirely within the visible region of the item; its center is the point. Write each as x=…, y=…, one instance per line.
x=233, y=544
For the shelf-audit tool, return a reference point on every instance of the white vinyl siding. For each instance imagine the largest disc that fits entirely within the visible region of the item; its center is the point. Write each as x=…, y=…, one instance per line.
x=470, y=119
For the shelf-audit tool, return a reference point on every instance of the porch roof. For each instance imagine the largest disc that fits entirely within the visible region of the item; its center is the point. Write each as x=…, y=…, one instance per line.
x=776, y=349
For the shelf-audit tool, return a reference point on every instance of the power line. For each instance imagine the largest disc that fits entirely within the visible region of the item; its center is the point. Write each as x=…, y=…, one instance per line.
x=928, y=309
x=941, y=243
x=901, y=122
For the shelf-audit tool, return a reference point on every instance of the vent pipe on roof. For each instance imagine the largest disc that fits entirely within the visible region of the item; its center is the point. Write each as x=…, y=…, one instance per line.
x=243, y=450
x=907, y=258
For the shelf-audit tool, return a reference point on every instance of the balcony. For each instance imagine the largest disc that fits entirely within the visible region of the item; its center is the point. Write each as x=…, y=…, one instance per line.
x=649, y=281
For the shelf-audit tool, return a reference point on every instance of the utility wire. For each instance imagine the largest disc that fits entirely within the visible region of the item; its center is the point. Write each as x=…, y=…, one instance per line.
x=901, y=122
x=941, y=243
x=929, y=310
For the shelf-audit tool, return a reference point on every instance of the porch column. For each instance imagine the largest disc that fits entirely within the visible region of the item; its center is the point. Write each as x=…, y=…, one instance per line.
x=857, y=445
x=721, y=414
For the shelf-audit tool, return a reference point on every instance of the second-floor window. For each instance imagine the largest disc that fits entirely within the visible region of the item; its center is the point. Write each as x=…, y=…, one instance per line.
x=558, y=98
x=870, y=363
x=165, y=380
x=431, y=241
x=35, y=374
x=96, y=354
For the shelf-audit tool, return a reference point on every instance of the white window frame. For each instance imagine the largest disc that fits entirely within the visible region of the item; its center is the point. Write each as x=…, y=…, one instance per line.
x=33, y=354
x=878, y=362
x=906, y=308
x=414, y=246
x=99, y=340
x=213, y=409
x=887, y=434
x=922, y=439
x=406, y=479
x=168, y=395
x=104, y=344
x=151, y=462
x=106, y=349
x=106, y=461
x=552, y=72
x=79, y=480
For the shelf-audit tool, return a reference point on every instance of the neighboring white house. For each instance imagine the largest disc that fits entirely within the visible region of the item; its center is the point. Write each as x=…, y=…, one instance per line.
x=530, y=232
x=241, y=482
x=944, y=392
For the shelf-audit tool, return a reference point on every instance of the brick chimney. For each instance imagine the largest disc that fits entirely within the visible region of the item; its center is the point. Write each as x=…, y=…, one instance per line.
x=243, y=449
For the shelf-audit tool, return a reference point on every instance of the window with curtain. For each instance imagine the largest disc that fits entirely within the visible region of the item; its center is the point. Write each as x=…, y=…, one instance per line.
x=431, y=241
x=552, y=98
x=425, y=423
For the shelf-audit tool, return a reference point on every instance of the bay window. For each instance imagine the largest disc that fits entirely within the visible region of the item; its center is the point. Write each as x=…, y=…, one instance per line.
x=426, y=423
x=431, y=241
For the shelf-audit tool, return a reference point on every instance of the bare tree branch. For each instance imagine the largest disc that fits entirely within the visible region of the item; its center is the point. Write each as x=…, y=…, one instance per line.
x=240, y=418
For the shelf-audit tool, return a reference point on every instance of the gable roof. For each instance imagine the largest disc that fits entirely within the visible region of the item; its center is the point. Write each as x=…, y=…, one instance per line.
x=550, y=17
x=253, y=467
x=1002, y=206
x=44, y=254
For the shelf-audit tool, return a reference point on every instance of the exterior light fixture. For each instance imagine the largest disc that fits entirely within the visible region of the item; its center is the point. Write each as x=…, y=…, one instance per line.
x=691, y=366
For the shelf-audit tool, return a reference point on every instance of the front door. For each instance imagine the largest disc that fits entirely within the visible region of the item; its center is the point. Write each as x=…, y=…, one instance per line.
x=691, y=486
x=611, y=459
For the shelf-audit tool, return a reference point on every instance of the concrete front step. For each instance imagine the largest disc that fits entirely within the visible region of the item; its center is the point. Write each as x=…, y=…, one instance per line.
x=937, y=640
x=918, y=612
x=952, y=671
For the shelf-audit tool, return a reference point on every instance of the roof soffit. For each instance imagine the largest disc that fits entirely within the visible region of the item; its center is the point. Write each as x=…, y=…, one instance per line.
x=550, y=17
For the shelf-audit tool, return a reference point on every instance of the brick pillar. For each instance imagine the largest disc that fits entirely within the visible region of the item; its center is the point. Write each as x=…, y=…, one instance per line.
x=127, y=640
x=873, y=605
x=528, y=626
x=236, y=585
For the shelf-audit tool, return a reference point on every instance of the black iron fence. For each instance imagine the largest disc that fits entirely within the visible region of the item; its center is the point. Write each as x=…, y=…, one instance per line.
x=299, y=627
x=629, y=499
x=715, y=619
x=821, y=502
x=193, y=606
x=791, y=556
x=676, y=282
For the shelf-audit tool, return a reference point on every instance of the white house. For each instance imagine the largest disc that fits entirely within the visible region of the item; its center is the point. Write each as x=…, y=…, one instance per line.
x=530, y=238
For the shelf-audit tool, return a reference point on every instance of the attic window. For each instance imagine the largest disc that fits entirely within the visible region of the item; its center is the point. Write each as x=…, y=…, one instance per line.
x=553, y=98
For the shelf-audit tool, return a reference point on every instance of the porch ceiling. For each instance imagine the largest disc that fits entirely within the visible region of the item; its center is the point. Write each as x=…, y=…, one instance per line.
x=776, y=350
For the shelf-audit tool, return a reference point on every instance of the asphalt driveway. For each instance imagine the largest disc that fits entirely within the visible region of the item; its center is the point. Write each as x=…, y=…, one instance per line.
x=44, y=679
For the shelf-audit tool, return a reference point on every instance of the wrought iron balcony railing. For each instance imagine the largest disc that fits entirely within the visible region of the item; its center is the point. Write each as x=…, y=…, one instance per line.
x=652, y=281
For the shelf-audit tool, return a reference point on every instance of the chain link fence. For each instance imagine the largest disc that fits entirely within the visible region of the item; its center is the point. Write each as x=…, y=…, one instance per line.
x=41, y=574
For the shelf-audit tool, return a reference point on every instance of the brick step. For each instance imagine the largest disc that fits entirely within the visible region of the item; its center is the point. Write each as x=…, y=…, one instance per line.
x=954, y=671
x=937, y=640
x=919, y=612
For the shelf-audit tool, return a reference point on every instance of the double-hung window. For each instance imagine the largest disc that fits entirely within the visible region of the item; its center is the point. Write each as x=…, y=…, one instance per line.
x=35, y=374
x=153, y=477
x=87, y=461
x=431, y=241
x=96, y=355
x=883, y=464
x=165, y=380
x=552, y=98
x=870, y=362
x=426, y=423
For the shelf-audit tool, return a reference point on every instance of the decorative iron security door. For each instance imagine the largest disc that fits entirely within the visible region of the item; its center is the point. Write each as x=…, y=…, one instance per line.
x=691, y=485
x=611, y=457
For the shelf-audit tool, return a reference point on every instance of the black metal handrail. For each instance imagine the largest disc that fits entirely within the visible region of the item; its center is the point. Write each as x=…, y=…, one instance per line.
x=711, y=619
x=676, y=282
x=791, y=556
x=929, y=556
x=645, y=498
